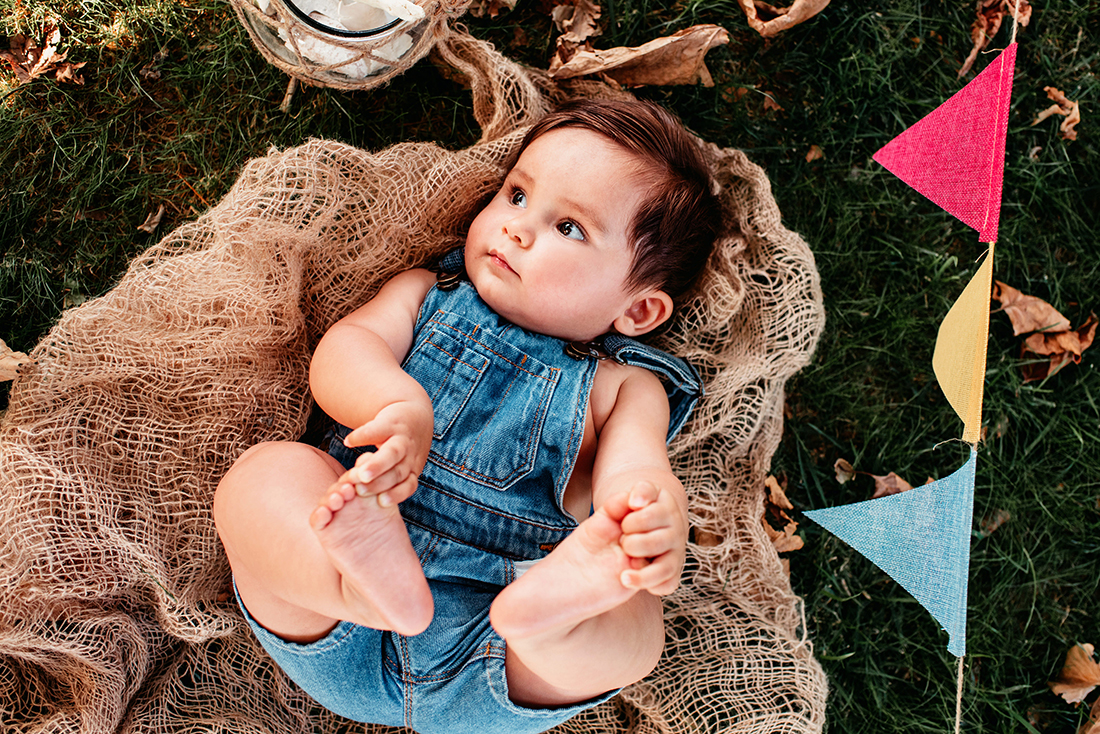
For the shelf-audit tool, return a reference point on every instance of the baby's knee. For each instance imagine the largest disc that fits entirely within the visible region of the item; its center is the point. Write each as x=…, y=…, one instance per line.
x=259, y=469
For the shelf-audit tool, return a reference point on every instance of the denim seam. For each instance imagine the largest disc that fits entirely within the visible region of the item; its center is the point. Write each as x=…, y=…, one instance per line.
x=490, y=349
x=406, y=689
x=498, y=513
x=431, y=547
x=478, y=370
x=488, y=650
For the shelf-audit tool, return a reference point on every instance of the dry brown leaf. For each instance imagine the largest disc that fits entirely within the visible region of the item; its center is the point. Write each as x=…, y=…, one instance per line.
x=845, y=472
x=576, y=21
x=675, y=59
x=768, y=20
x=1068, y=128
x=1054, y=109
x=1092, y=726
x=29, y=60
x=1062, y=106
x=990, y=523
x=492, y=8
x=1062, y=348
x=770, y=104
x=1053, y=337
x=1079, y=675
x=1073, y=342
x=777, y=495
x=888, y=485
x=1027, y=313
x=152, y=221
x=703, y=538
x=776, y=505
x=988, y=22
x=784, y=540
x=815, y=154
x=10, y=362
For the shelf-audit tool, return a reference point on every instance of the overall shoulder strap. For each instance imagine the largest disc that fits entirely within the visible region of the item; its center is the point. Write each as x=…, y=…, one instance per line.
x=681, y=381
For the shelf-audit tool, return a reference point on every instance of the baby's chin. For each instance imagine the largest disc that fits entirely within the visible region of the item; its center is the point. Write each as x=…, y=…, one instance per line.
x=540, y=323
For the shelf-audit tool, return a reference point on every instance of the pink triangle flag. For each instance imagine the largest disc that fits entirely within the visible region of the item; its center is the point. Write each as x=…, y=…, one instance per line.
x=955, y=155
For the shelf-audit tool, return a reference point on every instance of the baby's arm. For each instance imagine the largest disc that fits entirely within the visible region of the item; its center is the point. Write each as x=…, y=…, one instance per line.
x=631, y=458
x=356, y=378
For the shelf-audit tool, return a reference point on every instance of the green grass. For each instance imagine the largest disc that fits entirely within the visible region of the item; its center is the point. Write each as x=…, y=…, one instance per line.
x=81, y=167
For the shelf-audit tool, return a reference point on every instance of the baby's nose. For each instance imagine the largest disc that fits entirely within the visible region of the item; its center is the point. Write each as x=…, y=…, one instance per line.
x=518, y=232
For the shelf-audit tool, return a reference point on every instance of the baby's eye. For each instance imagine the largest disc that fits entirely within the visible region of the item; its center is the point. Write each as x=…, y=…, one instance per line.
x=518, y=198
x=571, y=230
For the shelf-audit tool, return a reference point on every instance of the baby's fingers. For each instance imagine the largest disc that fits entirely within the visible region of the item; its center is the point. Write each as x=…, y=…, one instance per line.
x=660, y=577
x=651, y=517
x=389, y=455
x=385, y=483
x=648, y=545
x=643, y=494
x=399, y=493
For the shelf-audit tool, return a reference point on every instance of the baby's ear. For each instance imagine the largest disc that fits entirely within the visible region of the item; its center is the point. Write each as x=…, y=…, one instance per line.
x=649, y=310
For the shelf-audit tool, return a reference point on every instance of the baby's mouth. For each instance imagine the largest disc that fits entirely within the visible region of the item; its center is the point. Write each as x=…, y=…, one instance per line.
x=501, y=262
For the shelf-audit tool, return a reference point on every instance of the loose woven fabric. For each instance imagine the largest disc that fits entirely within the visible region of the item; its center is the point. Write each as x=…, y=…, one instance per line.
x=115, y=611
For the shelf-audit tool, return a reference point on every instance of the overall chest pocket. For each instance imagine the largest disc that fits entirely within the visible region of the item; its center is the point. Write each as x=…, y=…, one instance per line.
x=489, y=402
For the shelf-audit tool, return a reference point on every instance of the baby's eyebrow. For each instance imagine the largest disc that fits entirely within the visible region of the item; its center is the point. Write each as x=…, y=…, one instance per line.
x=589, y=215
x=518, y=173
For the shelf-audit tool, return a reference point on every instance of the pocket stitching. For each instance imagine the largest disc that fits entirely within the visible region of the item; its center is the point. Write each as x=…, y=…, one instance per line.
x=506, y=359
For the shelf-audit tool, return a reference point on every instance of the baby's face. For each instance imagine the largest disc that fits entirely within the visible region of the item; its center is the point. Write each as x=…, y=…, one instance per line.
x=550, y=252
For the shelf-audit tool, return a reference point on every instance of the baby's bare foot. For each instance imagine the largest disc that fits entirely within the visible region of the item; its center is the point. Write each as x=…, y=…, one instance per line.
x=381, y=577
x=579, y=580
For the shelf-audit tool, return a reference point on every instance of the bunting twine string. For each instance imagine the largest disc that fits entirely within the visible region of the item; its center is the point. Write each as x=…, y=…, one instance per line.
x=959, y=681
x=959, y=697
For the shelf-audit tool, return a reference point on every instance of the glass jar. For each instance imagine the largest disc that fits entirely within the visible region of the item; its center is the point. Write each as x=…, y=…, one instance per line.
x=342, y=43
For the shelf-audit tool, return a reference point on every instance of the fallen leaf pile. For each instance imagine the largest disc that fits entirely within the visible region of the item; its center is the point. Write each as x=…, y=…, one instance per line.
x=1049, y=332
x=776, y=506
x=885, y=484
x=10, y=362
x=577, y=23
x=30, y=61
x=1062, y=106
x=675, y=59
x=768, y=20
x=990, y=15
x=1079, y=676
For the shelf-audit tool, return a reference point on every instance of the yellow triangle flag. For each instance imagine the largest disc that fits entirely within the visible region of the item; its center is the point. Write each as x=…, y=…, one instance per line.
x=959, y=356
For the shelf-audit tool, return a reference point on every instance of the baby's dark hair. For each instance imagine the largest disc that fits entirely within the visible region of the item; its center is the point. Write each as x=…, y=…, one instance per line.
x=674, y=229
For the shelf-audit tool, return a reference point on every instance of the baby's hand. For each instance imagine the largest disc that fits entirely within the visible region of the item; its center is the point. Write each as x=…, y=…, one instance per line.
x=403, y=434
x=655, y=538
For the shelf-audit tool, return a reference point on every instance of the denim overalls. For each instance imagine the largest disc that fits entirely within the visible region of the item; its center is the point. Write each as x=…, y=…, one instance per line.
x=509, y=408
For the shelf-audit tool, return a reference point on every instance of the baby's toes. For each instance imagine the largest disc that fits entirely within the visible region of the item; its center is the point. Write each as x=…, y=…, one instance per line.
x=320, y=517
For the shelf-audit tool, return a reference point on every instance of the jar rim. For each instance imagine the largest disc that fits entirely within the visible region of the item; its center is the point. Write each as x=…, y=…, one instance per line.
x=317, y=25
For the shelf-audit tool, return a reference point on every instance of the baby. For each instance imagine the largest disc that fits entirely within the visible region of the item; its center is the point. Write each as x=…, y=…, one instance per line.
x=539, y=518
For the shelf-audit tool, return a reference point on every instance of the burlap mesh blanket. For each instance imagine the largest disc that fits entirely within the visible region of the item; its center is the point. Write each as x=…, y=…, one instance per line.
x=115, y=612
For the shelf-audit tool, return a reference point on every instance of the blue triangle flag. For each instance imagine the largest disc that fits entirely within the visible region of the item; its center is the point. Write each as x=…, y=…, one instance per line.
x=921, y=538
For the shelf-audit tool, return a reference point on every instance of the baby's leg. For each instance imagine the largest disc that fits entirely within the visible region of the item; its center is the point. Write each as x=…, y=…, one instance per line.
x=573, y=630
x=298, y=581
